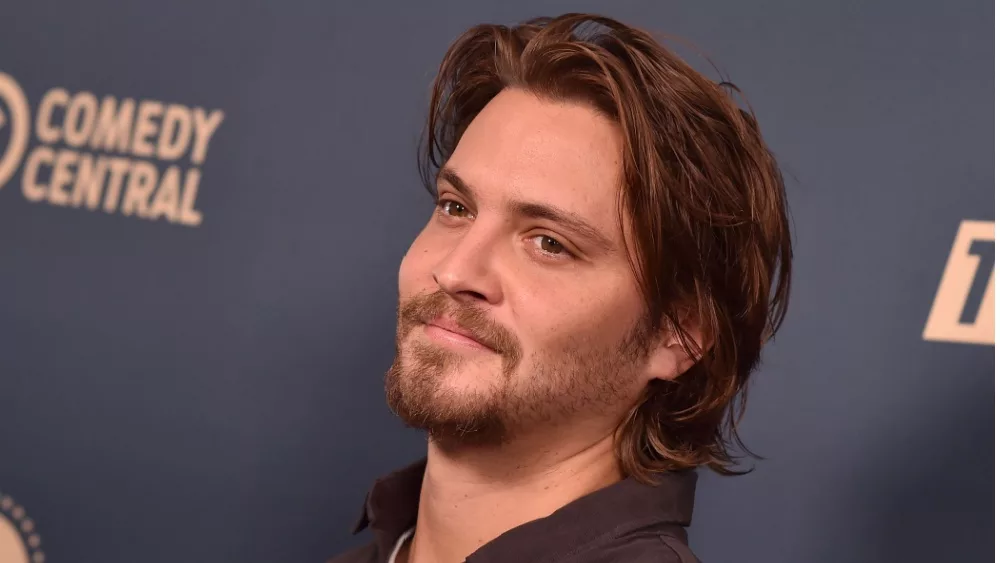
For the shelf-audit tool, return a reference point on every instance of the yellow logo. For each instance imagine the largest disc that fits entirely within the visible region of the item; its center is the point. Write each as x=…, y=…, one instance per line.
x=19, y=541
x=140, y=158
x=954, y=294
x=15, y=124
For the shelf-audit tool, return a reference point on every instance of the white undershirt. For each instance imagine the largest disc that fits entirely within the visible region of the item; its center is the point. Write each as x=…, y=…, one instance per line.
x=399, y=545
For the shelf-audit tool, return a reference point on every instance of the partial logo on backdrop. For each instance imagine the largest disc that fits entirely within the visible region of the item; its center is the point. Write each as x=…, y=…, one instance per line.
x=140, y=158
x=963, y=309
x=19, y=540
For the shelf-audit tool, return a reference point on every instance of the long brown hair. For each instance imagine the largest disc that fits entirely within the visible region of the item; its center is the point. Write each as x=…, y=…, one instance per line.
x=703, y=195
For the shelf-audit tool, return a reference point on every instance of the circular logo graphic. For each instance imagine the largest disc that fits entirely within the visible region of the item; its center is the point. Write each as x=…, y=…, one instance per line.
x=19, y=542
x=14, y=124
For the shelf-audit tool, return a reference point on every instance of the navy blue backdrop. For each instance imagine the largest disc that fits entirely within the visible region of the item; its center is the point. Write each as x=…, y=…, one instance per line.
x=191, y=370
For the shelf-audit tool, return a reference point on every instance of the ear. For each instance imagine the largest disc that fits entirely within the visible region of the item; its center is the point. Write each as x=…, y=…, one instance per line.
x=668, y=358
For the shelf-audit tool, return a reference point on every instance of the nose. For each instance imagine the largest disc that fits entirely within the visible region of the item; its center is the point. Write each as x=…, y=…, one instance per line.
x=468, y=273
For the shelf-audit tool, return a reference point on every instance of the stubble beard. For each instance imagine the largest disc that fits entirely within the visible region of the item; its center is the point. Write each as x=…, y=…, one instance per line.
x=576, y=378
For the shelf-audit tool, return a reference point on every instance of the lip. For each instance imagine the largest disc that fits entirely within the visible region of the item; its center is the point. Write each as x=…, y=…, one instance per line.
x=443, y=328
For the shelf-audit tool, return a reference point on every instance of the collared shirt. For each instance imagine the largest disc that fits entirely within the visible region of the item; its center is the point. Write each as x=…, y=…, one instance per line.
x=399, y=545
x=624, y=522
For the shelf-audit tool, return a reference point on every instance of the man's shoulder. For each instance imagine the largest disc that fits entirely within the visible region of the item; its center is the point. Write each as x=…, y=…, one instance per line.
x=642, y=547
x=365, y=554
x=639, y=547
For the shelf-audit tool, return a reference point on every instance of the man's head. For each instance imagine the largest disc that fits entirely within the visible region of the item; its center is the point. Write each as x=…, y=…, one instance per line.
x=609, y=248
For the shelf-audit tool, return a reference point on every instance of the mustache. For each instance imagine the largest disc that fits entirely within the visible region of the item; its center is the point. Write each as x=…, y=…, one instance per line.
x=426, y=307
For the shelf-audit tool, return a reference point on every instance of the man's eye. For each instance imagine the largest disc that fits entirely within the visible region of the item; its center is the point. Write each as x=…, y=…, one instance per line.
x=453, y=208
x=550, y=245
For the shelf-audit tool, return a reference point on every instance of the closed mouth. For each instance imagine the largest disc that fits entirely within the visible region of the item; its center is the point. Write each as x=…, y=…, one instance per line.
x=446, y=324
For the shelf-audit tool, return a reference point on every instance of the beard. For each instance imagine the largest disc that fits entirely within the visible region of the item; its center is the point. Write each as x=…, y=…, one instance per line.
x=573, y=377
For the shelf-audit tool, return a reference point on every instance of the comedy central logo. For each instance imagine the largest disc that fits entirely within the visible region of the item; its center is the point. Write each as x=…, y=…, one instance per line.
x=14, y=118
x=140, y=158
x=19, y=540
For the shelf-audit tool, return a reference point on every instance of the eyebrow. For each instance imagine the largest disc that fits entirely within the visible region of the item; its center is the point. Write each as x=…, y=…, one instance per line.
x=568, y=220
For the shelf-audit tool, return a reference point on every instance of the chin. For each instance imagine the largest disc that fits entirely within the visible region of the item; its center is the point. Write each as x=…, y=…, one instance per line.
x=450, y=408
x=462, y=388
x=428, y=374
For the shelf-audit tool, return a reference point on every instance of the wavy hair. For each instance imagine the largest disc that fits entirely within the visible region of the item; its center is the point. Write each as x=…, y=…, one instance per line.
x=702, y=194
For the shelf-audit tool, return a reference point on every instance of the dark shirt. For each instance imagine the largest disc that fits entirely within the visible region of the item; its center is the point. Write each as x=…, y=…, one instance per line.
x=624, y=522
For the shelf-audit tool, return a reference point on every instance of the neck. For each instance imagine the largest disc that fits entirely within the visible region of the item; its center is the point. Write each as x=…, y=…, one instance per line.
x=472, y=495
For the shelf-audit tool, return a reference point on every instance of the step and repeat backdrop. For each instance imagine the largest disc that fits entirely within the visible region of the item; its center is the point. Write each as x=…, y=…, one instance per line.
x=203, y=205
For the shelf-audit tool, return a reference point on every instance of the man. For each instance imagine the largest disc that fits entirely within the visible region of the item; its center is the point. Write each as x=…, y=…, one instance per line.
x=580, y=316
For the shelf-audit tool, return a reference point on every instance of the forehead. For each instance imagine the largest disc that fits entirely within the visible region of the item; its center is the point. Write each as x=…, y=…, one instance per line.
x=523, y=147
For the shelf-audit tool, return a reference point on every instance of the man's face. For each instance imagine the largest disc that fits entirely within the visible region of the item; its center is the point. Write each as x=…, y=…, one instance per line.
x=518, y=308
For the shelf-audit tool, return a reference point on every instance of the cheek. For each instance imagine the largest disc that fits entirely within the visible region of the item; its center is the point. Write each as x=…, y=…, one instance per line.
x=561, y=325
x=590, y=317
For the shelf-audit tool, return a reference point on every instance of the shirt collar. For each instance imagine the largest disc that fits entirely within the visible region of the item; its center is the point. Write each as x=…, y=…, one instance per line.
x=391, y=509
